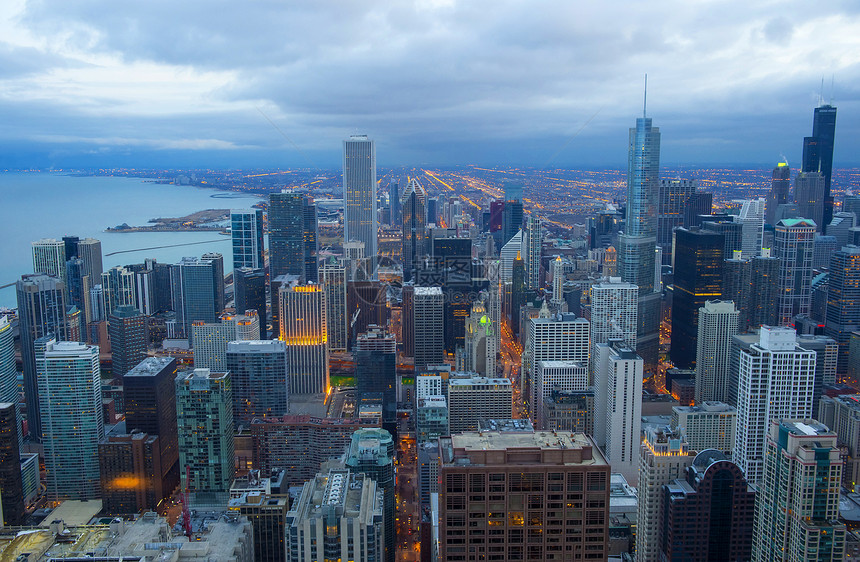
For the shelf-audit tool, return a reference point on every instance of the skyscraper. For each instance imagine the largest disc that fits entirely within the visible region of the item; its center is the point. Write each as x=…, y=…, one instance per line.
x=258, y=370
x=797, y=504
x=193, y=292
x=414, y=227
x=311, y=240
x=49, y=257
x=534, y=245
x=793, y=245
x=698, y=278
x=249, y=293
x=8, y=370
x=287, y=233
x=818, y=152
x=614, y=306
x=751, y=218
x=11, y=484
x=764, y=290
x=843, y=301
x=246, y=228
x=204, y=418
x=809, y=194
x=304, y=330
x=428, y=334
x=737, y=287
x=775, y=381
x=118, y=284
x=333, y=281
x=70, y=401
x=359, y=194
x=718, y=322
x=375, y=354
x=555, y=376
x=778, y=195
x=673, y=197
x=41, y=312
x=127, y=332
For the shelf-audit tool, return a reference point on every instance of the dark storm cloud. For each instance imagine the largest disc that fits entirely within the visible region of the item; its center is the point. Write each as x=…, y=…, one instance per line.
x=439, y=82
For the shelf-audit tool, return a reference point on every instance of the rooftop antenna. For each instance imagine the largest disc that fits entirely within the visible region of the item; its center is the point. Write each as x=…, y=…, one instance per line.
x=821, y=93
x=645, y=101
x=832, y=79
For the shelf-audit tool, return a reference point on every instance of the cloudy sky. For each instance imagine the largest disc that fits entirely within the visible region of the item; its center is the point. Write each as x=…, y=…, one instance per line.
x=435, y=82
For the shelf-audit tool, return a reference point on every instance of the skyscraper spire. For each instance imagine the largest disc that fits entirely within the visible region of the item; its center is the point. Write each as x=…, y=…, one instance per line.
x=645, y=99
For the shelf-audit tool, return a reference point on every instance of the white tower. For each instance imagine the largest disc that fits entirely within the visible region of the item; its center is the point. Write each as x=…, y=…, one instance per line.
x=718, y=322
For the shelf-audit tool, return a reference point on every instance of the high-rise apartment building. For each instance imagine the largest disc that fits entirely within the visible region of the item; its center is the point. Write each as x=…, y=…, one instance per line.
x=359, y=194
x=673, y=197
x=414, y=227
x=764, y=290
x=41, y=312
x=8, y=369
x=663, y=457
x=333, y=281
x=554, y=376
x=793, y=245
x=737, y=287
x=258, y=370
x=618, y=375
x=127, y=332
x=826, y=353
x=614, y=308
x=778, y=195
x=204, y=417
x=534, y=245
x=305, y=332
x=118, y=284
x=49, y=257
x=751, y=218
x=428, y=330
x=843, y=300
x=718, y=322
x=90, y=251
x=797, y=504
x=478, y=398
x=246, y=229
x=70, y=401
x=698, y=278
x=708, y=425
x=344, y=512
x=513, y=487
x=842, y=415
x=775, y=381
x=209, y=340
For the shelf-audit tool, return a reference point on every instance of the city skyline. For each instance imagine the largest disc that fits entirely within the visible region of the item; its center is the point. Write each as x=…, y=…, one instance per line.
x=449, y=84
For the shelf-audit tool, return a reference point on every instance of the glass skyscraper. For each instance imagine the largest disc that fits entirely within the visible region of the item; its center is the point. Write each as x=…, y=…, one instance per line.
x=287, y=211
x=414, y=226
x=246, y=226
x=359, y=194
x=818, y=153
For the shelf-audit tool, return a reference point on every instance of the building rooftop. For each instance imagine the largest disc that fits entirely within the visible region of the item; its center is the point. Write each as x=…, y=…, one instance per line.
x=524, y=425
x=256, y=346
x=561, y=364
x=852, y=401
x=477, y=381
x=807, y=427
x=149, y=367
x=432, y=402
x=74, y=512
x=506, y=441
x=708, y=406
x=428, y=291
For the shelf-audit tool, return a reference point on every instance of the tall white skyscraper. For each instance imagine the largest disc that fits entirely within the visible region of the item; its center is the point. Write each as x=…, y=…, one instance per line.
x=90, y=251
x=305, y=331
x=210, y=339
x=614, y=308
x=70, y=402
x=49, y=257
x=333, y=281
x=718, y=322
x=557, y=283
x=752, y=229
x=775, y=381
x=618, y=406
x=359, y=194
x=118, y=284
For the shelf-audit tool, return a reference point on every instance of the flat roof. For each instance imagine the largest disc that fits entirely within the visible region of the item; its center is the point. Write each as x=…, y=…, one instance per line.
x=74, y=512
x=501, y=440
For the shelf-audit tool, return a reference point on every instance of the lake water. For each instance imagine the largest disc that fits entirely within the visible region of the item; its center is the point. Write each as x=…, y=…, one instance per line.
x=41, y=205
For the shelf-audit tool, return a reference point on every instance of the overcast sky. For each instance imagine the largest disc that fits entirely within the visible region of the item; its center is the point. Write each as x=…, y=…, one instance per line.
x=435, y=82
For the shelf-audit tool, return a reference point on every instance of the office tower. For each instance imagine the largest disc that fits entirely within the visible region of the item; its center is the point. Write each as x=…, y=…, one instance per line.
x=518, y=293
x=217, y=262
x=709, y=425
x=287, y=233
x=246, y=229
x=366, y=305
x=118, y=285
x=70, y=243
x=150, y=407
x=193, y=292
x=708, y=512
x=698, y=278
x=809, y=194
x=775, y=381
x=557, y=283
x=842, y=415
x=129, y=467
x=145, y=292
x=764, y=292
x=562, y=337
x=793, y=245
x=428, y=329
x=333, y=281
x=75, y=282
x=480, y=349
x=569, y=410
x=395, y=204
x=210, y=340
x=359, y=195
x=11, y=485
x=778, y=195
x=718, y=322
x=41, y=312
x=663, y=457
x=673, y=197
x=512, y=220
x=823, y=247
x=431, y=421
x=249, y=293
x=9, y=373
x=618, y=405
x=522, y=475
x=204, y=419
x=375, y=355
x=258, y=370
x=555, y=376
x=70, y=402
x=818, y=152
x=843, y=301
x=311, y=240
x=534, y=235
x=614, y=306
x=345, y=510
x=49, y=257
x=247, y=326
x=731, y=230
x=700, y=203
x=751, y=218
x=414, y=227
x=371, y=452
x=508, y=254
x=471, y=399
x=797, y=504
x=127, y=332
x=304, y=330
x=737, y=287
x=826, y=352
x=354, y=260
x=842, y=227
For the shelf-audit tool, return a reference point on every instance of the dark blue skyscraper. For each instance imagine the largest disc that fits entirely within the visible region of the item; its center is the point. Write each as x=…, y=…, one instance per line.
x=287, y=219
x=414, y=227
x=818, y=153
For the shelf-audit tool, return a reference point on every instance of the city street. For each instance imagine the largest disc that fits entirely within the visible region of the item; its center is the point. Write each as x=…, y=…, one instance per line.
x=406, y=496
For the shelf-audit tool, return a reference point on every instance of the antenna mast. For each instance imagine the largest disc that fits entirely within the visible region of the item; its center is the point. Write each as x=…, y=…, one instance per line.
x=645, y=100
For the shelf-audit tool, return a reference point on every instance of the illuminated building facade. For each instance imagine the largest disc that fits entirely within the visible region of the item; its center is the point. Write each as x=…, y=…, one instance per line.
x=428, y=330
x=305, y=332
x=130, y=467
